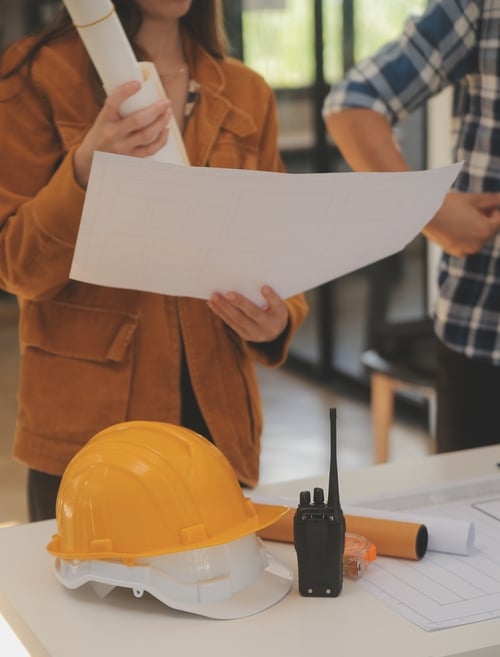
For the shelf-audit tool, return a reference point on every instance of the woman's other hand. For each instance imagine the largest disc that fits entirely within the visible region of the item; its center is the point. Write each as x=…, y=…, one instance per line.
x=251, y=322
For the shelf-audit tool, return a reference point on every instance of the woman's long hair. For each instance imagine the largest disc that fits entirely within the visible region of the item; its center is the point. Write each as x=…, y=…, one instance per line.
x=203, y=21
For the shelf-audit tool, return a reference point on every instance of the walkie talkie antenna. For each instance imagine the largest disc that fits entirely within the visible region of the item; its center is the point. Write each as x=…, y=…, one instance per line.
x=333, y=480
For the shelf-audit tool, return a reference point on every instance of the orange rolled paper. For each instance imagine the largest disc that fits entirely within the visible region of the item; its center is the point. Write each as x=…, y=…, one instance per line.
x=392, y=538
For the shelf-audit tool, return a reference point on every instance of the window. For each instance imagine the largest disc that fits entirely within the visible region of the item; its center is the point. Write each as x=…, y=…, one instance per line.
x=278, y=35
x=279, y=42
x=376, y=23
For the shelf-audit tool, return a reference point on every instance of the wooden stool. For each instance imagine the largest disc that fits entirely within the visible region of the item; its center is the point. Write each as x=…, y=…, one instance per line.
x=387, y=378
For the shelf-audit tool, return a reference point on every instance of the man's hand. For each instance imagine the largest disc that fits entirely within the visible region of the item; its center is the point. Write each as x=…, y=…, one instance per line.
x=249, y=321
x=465, y=222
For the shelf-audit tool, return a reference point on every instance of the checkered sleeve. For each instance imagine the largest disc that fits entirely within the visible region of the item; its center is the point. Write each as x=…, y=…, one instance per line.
x=435, y=50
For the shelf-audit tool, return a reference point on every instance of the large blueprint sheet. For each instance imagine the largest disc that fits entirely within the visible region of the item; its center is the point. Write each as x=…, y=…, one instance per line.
x=190, y=231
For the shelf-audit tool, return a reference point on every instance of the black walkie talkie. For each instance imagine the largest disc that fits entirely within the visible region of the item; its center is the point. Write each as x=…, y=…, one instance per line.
x=319, y=533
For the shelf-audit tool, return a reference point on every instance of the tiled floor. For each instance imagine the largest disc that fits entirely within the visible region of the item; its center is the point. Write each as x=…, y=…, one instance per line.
x=296, y=440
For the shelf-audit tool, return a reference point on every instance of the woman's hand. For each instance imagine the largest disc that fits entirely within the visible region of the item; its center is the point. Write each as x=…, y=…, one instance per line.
x=251, y=322
x=465, y=222
x=140, y=134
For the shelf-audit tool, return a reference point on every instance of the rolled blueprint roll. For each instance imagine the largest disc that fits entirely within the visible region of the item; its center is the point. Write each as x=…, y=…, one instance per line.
x=151, y=91
x=445, y=534
x=406, y=540
x=392, y=538
x=111, y=53
x=105, y=40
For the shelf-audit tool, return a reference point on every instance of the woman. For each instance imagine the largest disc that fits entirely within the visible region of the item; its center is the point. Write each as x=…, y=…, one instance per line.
x=92, y=356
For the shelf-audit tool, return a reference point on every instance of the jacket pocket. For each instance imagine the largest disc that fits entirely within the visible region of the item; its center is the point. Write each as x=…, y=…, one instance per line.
x=76, y=368
x=232, y=152
x=236, y=143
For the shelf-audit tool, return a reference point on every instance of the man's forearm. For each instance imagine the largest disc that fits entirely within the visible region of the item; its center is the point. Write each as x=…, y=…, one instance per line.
x=366, y=140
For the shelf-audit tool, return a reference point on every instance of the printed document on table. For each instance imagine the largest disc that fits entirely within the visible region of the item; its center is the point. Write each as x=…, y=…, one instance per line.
x=190, y=231
x=444, y=590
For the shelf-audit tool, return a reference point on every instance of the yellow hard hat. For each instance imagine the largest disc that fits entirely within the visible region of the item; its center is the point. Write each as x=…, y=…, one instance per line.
x=161, y=497
x=149, y=488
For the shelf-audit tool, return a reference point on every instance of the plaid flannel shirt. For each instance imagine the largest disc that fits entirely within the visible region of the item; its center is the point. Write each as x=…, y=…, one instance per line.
x=453, y=41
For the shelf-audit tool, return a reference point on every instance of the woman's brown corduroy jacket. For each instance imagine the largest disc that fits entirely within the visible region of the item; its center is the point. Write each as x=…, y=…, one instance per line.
x=93, y=356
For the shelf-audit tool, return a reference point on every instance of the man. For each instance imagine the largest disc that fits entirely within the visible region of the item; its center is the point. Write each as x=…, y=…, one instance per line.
x=453, y=41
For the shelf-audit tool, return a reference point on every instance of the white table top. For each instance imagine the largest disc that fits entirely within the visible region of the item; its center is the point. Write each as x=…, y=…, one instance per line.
x=55, y=622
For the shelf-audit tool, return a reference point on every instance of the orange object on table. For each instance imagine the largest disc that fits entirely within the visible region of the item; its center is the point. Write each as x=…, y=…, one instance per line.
x=358, y=554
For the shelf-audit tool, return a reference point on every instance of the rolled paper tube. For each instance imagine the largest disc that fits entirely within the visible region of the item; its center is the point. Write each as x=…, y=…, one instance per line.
x=445, y=534
x=105, y=40
x=85, y=12
x=111, y=53
x=391, y=538
x=151, y=91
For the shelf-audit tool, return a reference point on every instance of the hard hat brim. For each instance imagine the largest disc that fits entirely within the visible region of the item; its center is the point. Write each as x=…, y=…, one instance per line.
x=265, y=515
x=272, y=586
x=233, y=599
